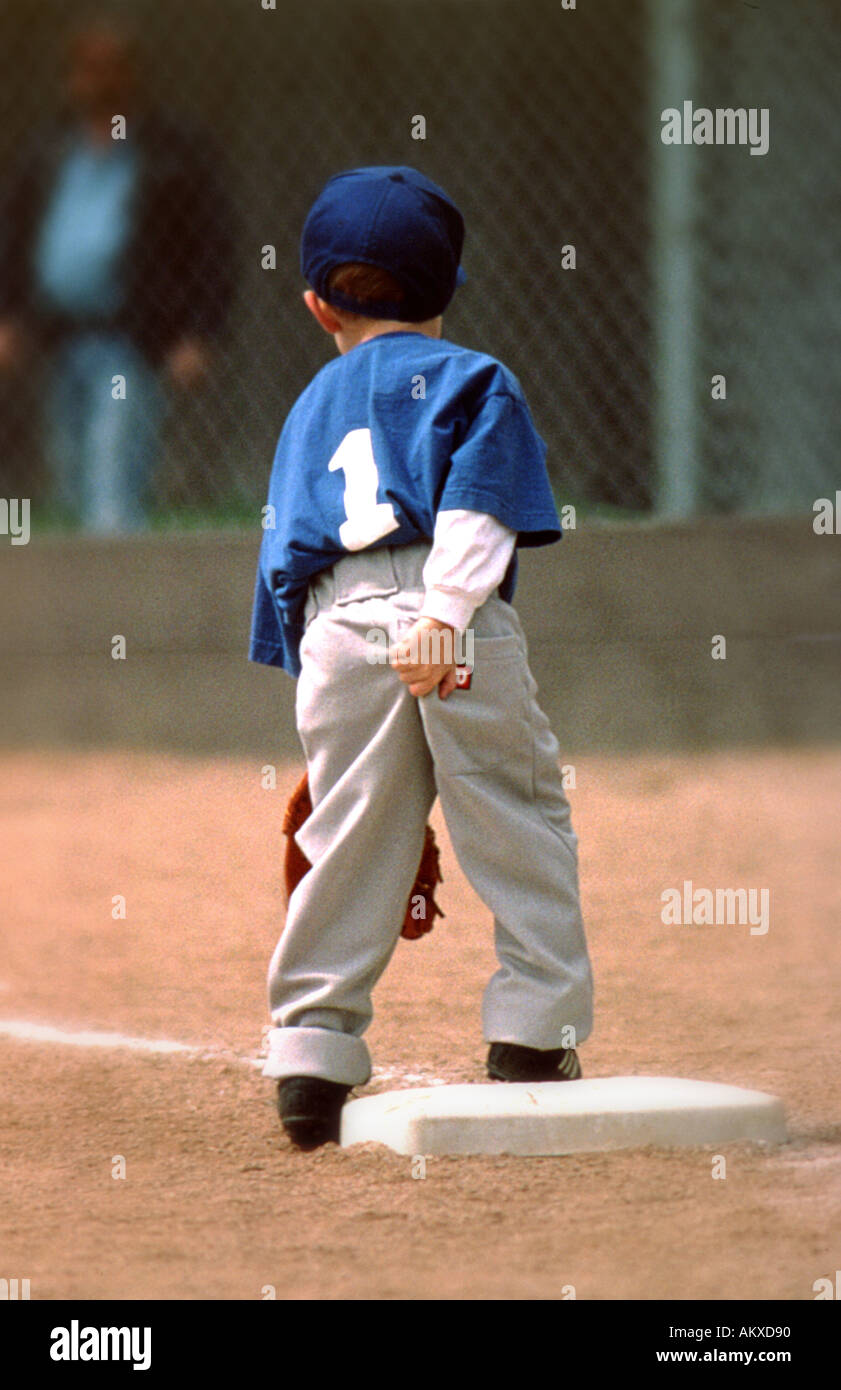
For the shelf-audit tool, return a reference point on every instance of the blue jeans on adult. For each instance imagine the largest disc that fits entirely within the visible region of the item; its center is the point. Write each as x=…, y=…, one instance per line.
x=103, y=437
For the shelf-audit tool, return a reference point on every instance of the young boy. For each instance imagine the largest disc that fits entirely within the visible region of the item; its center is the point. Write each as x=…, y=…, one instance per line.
x=406, y=475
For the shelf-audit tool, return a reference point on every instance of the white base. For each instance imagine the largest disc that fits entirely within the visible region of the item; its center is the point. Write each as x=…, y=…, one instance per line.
x=551, y=1117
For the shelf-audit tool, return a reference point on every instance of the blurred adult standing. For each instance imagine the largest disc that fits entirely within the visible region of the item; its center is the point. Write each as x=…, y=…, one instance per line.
x=116, y=259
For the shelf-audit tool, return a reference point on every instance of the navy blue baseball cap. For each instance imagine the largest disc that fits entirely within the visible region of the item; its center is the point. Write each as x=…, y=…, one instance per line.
x=393, y=217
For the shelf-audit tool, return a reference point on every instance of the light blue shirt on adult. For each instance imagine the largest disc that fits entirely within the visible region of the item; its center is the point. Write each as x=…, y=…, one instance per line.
x=86, y=230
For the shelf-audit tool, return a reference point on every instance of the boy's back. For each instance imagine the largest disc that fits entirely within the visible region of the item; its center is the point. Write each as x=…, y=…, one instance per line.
x=382, y=439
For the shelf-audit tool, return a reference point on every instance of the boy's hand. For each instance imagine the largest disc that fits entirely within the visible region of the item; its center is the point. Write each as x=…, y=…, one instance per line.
x=424, y=658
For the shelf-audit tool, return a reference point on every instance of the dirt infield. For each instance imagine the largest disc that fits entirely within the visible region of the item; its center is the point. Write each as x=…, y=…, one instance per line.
x=215, y=1204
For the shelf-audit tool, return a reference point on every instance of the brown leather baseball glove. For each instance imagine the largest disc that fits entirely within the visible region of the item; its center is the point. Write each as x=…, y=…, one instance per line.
x=420, y=916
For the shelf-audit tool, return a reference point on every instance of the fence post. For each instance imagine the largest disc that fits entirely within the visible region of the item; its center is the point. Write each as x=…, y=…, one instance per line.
x=675, y=432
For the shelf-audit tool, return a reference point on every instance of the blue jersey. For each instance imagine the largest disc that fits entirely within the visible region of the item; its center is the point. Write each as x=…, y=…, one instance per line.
x=399, y=428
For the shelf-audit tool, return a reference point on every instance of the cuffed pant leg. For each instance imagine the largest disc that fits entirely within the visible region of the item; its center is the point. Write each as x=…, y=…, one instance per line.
x=496, y=763
x=372, y=786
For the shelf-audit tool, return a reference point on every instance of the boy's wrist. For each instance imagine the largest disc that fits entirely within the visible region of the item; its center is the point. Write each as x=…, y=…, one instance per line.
x=453, y=610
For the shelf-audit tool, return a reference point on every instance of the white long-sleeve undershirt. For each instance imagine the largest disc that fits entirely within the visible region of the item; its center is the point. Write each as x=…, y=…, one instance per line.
x=470, y=554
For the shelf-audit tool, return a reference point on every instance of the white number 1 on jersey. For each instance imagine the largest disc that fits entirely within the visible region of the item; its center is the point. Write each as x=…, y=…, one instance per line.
x=367, y=519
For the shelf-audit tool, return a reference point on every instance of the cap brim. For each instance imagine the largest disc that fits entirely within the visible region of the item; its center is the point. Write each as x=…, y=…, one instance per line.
x=461, y=278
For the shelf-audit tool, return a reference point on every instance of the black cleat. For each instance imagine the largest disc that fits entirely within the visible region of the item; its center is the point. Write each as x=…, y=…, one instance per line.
x=514, y=1062
x=310, y=1110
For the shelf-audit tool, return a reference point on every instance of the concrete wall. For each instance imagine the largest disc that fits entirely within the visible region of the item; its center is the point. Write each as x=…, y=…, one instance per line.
x=620, y=621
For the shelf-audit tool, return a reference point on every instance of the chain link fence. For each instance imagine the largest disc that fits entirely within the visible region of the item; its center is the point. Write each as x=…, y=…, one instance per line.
x=543, y=123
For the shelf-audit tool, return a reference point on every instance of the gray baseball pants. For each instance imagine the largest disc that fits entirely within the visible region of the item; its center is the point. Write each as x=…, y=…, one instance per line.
x=376, y=757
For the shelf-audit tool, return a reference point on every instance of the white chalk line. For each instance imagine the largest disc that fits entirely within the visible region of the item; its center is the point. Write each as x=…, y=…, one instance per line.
x=414, y=1078
x=23, y=1030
